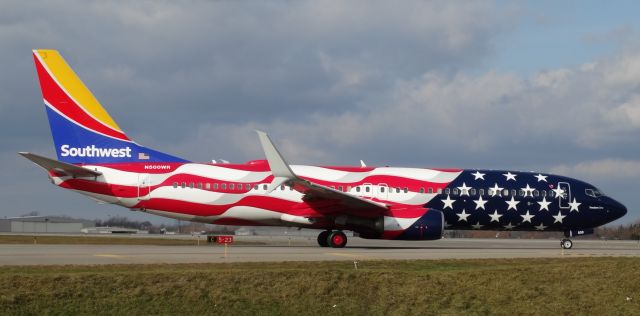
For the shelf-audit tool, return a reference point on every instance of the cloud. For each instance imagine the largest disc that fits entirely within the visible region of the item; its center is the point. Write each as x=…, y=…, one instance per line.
x=609, y=169
x=567, y=112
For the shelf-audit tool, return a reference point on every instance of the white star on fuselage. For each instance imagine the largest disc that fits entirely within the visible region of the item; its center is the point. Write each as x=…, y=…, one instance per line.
x=509, y=226
x=558, y=218
x=495, y=190
x=540, y=177
x=478, y=175
x=476, y=225
x=512, y=204
x=559, y=192
x=510, y=176
x=495, y=217
x=544, y=205
x=574, y=206
x=528, y=191
x=527, y=217
x=464, y=189
x=448, y=202
x=462, y=216
x=480, y=203
x=540, y=227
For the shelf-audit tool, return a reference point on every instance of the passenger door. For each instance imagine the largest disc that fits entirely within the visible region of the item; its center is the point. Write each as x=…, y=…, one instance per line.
x=565, y=199
x=144, y=186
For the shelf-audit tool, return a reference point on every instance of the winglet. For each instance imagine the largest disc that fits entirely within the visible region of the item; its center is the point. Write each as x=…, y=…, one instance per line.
x=279, y=167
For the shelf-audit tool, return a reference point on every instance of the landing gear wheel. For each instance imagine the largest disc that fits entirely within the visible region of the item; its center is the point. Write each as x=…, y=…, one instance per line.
x=337, y=239
x=323, y=238
x=566, y=244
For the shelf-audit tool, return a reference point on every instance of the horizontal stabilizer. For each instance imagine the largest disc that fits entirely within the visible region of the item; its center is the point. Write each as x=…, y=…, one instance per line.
x=55, y=165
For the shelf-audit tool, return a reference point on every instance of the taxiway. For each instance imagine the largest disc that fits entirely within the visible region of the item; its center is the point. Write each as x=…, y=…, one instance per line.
x=306, y=249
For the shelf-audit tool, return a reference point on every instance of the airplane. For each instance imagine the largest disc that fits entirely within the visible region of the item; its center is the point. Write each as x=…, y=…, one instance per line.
x=96, y=158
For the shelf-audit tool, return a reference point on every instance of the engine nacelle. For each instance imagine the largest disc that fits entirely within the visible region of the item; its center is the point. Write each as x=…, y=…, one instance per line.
x=429, y=226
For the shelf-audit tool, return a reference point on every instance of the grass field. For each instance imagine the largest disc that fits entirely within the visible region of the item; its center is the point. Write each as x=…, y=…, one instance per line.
x=108, y=240
x=582, y=286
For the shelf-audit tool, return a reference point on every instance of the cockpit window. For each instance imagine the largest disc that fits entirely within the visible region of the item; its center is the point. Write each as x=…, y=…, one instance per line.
x=593, y=192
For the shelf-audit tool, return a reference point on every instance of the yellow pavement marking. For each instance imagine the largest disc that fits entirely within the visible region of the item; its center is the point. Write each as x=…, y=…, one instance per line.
x=108, y=255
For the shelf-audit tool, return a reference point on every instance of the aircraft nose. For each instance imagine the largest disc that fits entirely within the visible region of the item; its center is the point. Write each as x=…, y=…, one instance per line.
x=618, y=209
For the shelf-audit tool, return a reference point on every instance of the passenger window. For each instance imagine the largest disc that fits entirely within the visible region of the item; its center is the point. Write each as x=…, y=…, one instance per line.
x=255, y=187
x=232, y=186
x=481, y=192
x=358, y=189
x=208, y=186
x=513, y=192
x=472, y=192
x=505, y=192
x=191, y=184
x=430, y=190
x=200, y=185
x=333, y=187
x=543, y=193
x=367, y=189
x=349, y=189
x=247, y=186
x=282, y=187
x=215, y=186
x=536, y=193
x=455, y=192
x=224, y=186
x=381, y=189
x=552, y=193
x=406, y=190
x=184, y=185
x=340, y=188
x=439, y=191
x=265, y=187
x=175, y=184
x=447, y=191
x=421, y=190
x=397, y=190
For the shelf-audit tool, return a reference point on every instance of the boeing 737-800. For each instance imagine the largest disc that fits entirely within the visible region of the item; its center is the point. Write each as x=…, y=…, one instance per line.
x=96, y=158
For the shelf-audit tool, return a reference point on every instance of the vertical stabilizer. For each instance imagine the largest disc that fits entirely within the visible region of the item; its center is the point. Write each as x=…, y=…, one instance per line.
x=83, y=132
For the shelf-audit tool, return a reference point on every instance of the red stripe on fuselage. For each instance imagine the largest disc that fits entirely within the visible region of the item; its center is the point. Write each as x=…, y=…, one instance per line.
x=257, y=201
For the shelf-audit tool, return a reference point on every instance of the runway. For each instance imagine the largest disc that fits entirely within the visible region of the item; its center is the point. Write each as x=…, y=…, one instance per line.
x=306, y=249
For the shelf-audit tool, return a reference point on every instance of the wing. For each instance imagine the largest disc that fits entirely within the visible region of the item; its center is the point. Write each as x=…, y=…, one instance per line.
x=345, y=203
x=58, y=166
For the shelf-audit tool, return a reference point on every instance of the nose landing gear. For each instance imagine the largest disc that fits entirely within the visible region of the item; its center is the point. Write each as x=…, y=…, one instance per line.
x=334, y=239
x=566, y=243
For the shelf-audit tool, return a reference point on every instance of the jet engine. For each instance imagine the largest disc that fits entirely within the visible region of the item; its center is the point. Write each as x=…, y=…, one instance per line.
x=429, y=226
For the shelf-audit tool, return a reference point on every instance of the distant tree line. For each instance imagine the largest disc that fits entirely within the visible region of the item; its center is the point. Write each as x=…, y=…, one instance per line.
x=121, y=221
x=627, y=231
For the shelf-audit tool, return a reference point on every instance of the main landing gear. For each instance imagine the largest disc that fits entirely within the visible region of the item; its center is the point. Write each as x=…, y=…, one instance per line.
x=566, y=243
x=334, y=239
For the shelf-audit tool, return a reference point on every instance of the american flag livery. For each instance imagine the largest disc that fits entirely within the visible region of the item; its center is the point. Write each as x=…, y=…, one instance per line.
x=97, y=159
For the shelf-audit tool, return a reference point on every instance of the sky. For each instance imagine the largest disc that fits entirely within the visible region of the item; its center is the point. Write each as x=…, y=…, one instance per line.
x=522, y=85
